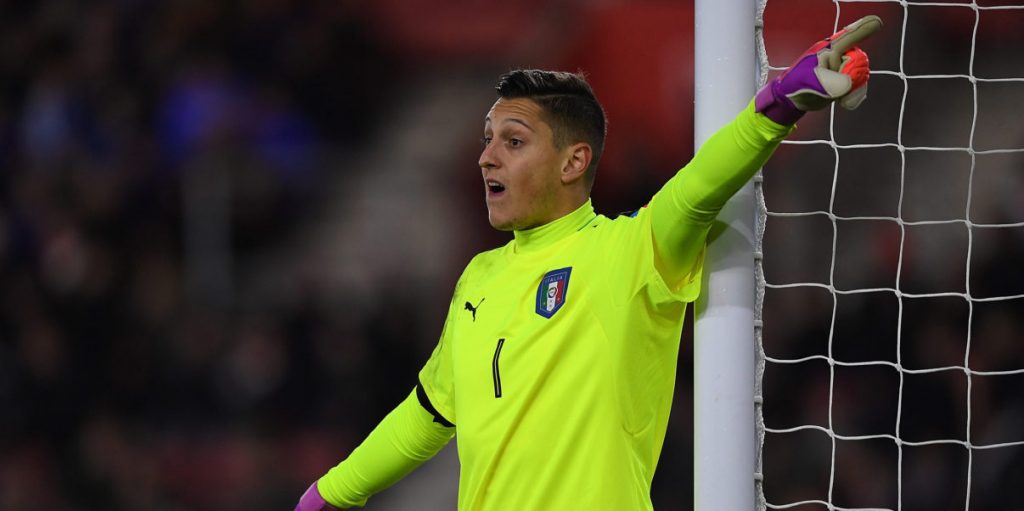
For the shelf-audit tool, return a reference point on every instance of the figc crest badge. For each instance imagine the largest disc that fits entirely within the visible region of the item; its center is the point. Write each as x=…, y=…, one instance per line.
x=551, y=292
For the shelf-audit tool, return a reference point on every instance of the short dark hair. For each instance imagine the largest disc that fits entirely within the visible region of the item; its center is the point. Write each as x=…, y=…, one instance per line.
x=569, y=105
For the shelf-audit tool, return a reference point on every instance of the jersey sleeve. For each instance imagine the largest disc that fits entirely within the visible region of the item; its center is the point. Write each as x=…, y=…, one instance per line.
x=682, y=212
x=401, y=442
x=436, y=389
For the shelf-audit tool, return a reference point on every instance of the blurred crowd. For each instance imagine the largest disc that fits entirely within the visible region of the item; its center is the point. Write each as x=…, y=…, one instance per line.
x=149, y=150
x=161, y=162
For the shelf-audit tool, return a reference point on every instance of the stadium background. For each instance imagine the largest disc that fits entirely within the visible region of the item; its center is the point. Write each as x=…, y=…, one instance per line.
x=229, y=230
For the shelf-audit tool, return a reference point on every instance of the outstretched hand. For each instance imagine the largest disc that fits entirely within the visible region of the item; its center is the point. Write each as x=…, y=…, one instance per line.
x=834, y=69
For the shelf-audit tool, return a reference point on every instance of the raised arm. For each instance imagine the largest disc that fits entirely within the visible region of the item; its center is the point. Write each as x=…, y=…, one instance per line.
x=682, y=211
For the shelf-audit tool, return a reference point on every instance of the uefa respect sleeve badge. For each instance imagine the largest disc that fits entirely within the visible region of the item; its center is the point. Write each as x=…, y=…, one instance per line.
x=552, y=290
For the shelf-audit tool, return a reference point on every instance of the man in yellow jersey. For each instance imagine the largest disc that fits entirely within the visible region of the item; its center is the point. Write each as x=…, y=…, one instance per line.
x=557, y=362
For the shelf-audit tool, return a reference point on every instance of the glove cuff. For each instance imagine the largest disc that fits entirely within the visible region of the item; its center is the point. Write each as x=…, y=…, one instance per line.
x=775, y=106
x=312, y=501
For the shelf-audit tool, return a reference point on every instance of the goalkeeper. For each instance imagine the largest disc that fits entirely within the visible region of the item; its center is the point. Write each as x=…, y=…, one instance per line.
x=556, y=365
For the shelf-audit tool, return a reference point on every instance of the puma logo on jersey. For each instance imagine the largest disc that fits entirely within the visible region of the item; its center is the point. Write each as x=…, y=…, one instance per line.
x=471, y=308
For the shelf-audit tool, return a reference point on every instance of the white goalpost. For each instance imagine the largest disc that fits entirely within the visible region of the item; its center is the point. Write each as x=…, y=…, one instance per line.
x=724, y=434
x=887, y=311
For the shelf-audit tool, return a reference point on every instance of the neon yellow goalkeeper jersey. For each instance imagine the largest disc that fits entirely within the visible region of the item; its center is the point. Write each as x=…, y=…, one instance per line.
x=557, y=365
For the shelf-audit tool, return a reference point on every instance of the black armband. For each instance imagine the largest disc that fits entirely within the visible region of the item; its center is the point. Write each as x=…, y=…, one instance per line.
x=425, y=403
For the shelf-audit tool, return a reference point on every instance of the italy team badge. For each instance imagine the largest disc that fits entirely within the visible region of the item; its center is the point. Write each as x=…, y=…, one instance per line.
x=551, y=292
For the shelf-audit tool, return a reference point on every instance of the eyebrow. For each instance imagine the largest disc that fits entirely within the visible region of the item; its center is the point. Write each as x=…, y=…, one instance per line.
x=515, y=120
x=520, y=121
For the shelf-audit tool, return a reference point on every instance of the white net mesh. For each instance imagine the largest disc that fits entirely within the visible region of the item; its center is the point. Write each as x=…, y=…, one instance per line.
x=891, y=292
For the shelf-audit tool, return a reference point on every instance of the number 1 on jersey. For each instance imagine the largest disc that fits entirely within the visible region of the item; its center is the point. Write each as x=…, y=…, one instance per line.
x=496, y=372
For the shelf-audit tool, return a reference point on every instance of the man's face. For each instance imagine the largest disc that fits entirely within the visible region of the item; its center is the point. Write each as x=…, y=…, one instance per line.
x=521, y=166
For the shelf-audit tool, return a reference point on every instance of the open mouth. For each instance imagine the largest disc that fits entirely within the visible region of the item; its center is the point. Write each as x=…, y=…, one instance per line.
x=494, y=187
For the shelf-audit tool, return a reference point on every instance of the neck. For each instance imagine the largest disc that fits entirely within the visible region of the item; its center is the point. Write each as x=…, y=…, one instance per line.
x=547, y=234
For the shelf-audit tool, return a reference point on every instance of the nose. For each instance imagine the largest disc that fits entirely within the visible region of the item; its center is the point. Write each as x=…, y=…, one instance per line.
x=487, y=159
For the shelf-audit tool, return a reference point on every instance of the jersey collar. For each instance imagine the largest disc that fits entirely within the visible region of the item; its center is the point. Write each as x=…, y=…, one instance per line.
x=547, y=234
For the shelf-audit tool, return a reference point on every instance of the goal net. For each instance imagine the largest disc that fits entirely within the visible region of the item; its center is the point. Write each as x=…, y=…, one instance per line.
x=890, y=311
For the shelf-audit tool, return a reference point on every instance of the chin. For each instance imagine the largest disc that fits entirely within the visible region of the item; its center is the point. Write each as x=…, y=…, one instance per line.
x=501, y=225
x=499, y=222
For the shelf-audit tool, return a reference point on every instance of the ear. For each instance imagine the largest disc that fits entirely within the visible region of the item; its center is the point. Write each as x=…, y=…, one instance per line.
x=578, y=157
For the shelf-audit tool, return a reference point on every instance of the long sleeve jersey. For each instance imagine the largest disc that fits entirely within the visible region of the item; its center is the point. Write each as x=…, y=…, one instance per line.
x=556, y=366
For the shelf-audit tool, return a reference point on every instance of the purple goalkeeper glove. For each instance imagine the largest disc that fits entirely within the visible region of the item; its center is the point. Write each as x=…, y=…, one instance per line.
x=833, y=69
x=312, y=501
